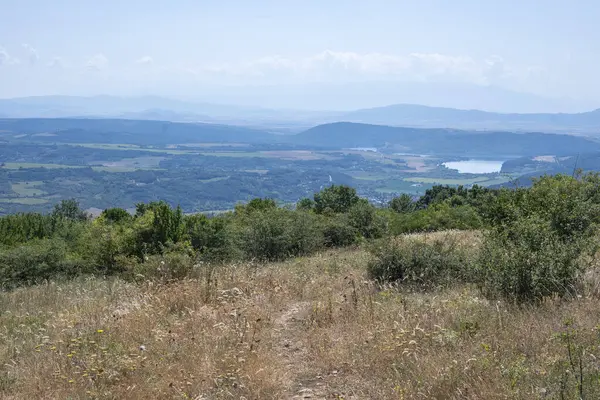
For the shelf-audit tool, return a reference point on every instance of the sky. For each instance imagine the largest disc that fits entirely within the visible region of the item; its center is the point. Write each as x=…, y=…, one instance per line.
x=549, y=49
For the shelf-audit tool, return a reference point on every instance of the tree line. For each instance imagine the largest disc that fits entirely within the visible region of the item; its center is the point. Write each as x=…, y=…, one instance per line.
x=535, y=238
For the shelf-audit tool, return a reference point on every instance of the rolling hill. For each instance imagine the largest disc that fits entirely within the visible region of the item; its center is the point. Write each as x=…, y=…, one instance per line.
x=444, y=141
x=430, y=117
x=146, y=132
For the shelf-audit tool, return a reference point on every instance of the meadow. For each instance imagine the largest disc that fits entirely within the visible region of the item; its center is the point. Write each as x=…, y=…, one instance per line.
x=314, y=327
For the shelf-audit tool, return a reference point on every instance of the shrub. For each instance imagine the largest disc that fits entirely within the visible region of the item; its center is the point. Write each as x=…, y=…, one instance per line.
x=338, y=233
x=278, y=234
x=36, y=262
x=539, y=238
x=528, y=260
x=305, y=204
x=436, y=217
x=364, y=218
x=420, y=262
x=210, y=237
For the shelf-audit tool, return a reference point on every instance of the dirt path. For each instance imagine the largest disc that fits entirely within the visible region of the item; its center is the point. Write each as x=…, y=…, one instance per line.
x=290, y=348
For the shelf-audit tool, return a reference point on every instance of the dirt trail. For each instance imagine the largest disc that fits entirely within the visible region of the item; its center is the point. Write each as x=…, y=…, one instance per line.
x=288, y=332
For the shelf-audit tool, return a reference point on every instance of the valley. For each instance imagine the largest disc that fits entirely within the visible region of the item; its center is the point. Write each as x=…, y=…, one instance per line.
x=205, y=167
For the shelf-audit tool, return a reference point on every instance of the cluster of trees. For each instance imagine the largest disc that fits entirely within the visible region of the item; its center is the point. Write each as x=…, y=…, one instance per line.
x=119, y=242
x=536, y=240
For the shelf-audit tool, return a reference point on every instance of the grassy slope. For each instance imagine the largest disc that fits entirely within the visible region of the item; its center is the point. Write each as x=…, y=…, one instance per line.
x=313, y=326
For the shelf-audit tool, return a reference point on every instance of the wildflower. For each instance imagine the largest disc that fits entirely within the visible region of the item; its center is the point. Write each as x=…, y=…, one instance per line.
x=100, y=331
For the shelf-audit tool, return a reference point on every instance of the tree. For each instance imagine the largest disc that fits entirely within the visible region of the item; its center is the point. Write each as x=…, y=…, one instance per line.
x=116, y=215
x=69, y=209
x=402, y=204
x=364, y=218
x=305, y=204
x=337, y=198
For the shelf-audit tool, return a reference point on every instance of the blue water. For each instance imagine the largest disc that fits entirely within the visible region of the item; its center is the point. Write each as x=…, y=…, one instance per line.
x=475, y=166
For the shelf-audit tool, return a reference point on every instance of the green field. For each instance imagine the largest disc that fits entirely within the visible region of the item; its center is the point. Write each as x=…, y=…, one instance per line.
x=11, y=165
x=211, y=144
x=130, y=147
x=369, y=176
x=115, y=169
x=27, y=189
x=25, y=201
x=234, y=154
x=217, y=179
x=123, y=169
x=497, y=181
x=402, y=186
x=450, y=181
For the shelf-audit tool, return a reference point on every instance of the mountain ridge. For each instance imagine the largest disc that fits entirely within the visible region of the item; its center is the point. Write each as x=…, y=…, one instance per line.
x=427, y=117
x=401, y=114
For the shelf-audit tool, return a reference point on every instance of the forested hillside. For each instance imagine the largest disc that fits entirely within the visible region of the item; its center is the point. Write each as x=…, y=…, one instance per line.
x=446, y=141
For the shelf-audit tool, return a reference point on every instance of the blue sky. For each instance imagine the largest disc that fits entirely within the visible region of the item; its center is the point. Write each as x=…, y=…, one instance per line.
x=180, y=47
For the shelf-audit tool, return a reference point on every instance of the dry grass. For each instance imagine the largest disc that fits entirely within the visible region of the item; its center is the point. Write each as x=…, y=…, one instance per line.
x=308, y=327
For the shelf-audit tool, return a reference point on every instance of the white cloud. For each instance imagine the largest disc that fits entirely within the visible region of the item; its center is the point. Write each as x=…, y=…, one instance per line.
x=145, y=60
x=343, y=66
x=7, y=59
x=97, y=62
x=32, y=54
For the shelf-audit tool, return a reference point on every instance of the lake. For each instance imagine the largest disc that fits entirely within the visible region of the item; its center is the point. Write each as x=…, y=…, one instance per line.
x=475, y=166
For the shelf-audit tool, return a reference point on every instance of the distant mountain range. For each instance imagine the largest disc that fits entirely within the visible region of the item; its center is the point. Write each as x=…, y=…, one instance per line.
x=292, y=121
x=156, y=108
x=436, y=117
x=137, y=132
x=333, y=136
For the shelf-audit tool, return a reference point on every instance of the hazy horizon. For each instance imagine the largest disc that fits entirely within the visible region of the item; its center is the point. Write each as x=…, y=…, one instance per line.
x=503, y=56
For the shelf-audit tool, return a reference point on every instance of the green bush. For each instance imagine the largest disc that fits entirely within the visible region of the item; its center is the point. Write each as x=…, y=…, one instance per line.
x=529, y=260
x=364, y=218
x=305, y=204
x=36, y=262
x=435, y=218
x=278, y=234
x=210, y=237
x=338, y=233
x=539, y=238
x=420, y=262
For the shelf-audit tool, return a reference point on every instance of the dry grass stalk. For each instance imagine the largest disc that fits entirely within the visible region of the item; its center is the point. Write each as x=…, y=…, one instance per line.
x=309, y=327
